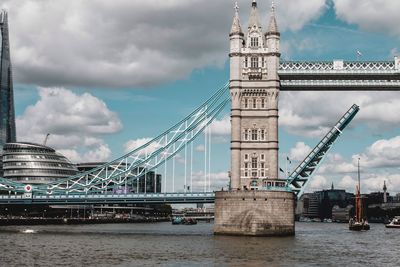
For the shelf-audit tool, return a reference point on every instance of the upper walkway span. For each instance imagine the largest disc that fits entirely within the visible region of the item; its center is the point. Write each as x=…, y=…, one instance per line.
x=340, y=75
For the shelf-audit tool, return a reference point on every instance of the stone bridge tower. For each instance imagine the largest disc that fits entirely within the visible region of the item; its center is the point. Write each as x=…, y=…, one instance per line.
x=256, y=203
x=254, y=86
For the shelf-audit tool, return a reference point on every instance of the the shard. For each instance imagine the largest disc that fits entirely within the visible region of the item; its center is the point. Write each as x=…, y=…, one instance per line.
x=7, y=115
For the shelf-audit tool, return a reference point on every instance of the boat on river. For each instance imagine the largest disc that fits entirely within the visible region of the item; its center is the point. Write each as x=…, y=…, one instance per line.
x=359, y=222
x=184, y=220
x=395, y=223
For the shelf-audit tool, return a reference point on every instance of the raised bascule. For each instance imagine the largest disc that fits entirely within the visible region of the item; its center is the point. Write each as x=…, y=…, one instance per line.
x=258, y=203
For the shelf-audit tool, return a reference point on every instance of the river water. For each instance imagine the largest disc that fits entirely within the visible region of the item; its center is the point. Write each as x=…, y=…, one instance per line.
x=163, y=244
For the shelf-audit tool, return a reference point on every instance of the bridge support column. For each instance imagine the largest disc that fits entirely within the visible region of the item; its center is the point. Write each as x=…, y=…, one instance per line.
x=254, y=213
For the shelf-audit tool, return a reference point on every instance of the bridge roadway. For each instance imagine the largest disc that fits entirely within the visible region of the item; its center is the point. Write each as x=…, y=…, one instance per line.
x=82, y=199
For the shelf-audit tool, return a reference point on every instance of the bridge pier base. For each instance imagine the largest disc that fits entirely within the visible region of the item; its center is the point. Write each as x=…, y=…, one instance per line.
x=254, y=213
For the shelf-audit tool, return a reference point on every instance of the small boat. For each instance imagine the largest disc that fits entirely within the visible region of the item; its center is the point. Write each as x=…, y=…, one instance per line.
x=359, y=222
x=177, y=220
x=395, y=223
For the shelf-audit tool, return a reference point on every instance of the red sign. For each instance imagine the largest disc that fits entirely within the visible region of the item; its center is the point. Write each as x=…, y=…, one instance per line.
x=28, y=188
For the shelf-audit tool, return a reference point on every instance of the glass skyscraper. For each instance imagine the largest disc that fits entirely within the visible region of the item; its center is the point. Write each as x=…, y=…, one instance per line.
x=7, y=115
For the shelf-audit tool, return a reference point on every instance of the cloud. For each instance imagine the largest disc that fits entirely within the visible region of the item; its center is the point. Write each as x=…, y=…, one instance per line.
x=381, y=154
x=318, y=182
x=134, y=144
x=76, y=123
x=299, y=152
x=200, y=148
x=129, y=43
x=312, y=114
x=218, y=180
x=371, y=15
x=100, y=153
x=220, y=127
x=348, y=183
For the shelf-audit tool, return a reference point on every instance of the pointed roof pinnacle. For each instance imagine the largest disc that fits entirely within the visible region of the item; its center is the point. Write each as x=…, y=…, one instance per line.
x=3, y=16
x=254, y=19
x=236, y=28
x=384, y=186
x=273, y=26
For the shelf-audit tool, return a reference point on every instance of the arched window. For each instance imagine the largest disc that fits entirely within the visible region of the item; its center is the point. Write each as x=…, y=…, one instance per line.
x=262, y=102
x=262, y=137
x=254, y=62
x=245, y=62
x=246, y=103
x=254, y=134
x=254, y=103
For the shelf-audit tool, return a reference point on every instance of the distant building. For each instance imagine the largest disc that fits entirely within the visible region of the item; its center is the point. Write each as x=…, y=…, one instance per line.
x=320, y=203
x=341, y=214
x=7, y=115
x=307, y=205
x=149, y=182
x=34, y=163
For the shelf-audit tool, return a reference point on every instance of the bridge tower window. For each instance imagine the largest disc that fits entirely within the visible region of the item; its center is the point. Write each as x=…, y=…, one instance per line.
x=262, y=167
x=254, y=103
x=262, y=135
x=254, y=62
x=254, y=135
x=254, y=166
x=246, y=136
x=262, y=102
x=245, y=62
x=254, y=41
x=246, y=103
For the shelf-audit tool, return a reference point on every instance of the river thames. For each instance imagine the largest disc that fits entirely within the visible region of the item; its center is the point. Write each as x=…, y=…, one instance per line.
x=163, y=244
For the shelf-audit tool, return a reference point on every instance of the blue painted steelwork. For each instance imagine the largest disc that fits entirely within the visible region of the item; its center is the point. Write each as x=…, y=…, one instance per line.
x=299, y=178
x=339, y=75
x=152, y=198
x=135, y=164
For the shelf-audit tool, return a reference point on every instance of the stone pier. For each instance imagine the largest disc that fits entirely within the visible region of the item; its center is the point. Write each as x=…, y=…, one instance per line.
x=254, y=213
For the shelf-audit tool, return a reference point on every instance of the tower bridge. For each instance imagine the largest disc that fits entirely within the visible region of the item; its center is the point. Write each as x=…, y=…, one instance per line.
x=258, y=202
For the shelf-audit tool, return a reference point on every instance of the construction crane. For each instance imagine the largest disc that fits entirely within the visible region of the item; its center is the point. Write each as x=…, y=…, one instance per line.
x=45, y=139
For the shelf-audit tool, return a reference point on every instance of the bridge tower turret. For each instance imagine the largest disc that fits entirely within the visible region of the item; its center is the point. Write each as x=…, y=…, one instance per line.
x=236, y=43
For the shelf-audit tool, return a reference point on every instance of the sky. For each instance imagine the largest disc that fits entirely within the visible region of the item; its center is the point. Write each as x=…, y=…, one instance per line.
x=102, y=77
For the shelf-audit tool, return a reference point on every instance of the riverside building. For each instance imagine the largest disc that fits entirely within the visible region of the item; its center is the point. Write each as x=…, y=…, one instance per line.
x=35, y=164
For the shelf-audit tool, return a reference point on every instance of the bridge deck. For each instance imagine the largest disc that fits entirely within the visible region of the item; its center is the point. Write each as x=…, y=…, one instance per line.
x=159, y=198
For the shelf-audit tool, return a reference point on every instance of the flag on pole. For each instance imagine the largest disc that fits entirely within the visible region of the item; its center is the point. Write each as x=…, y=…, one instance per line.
x=287, y=158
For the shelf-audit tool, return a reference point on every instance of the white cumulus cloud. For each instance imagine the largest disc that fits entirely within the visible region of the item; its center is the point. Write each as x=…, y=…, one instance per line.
x=372, y=15
x=76, y=123
x=129, y=43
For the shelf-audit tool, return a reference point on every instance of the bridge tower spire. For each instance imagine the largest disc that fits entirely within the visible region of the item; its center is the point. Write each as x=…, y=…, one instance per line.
x=236, y=43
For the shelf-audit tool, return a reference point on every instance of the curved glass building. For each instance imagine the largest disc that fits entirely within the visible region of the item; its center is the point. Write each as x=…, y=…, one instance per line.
x=34, y=164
